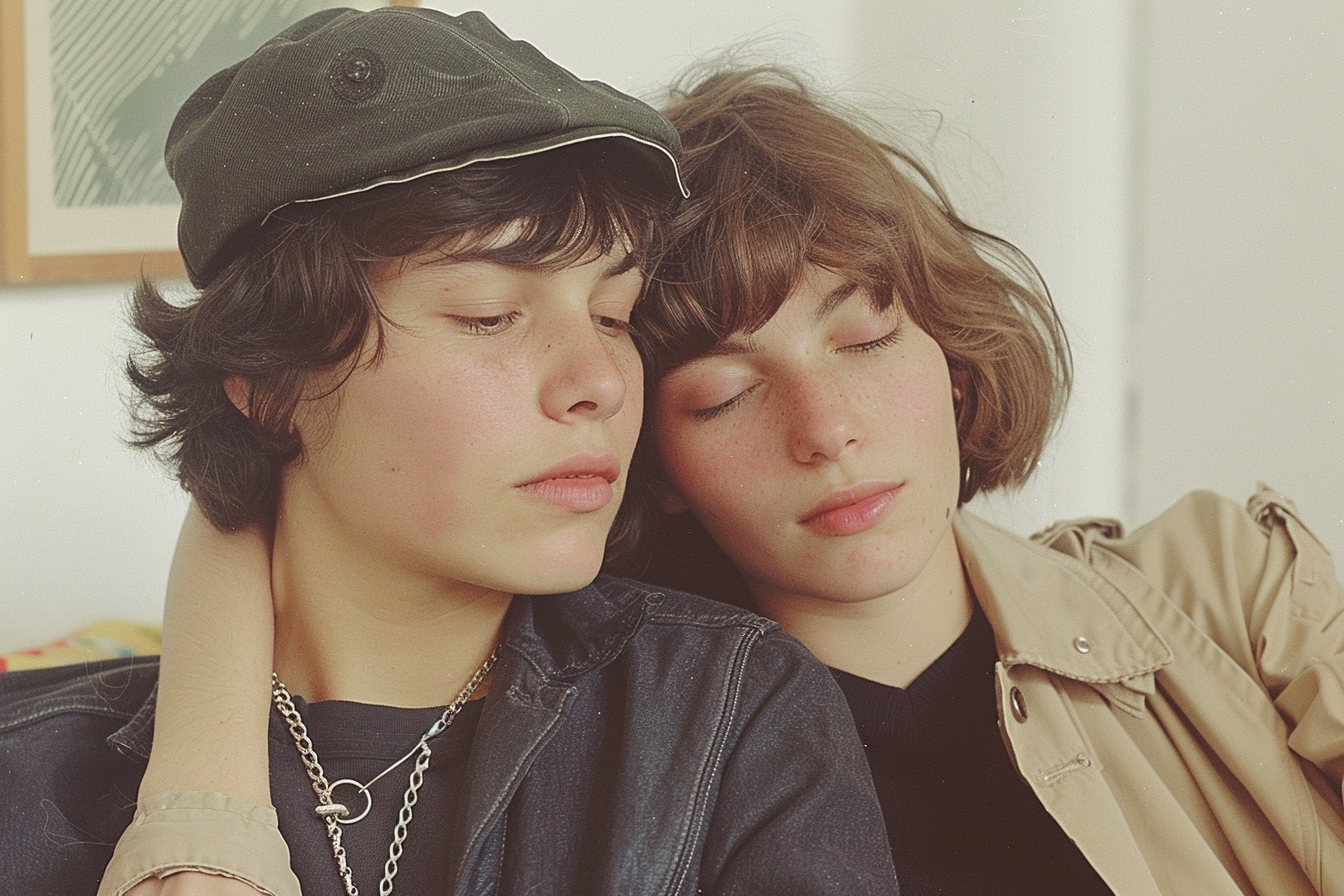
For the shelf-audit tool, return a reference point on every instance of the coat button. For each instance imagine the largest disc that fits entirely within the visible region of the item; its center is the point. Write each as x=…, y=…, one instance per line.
x=1019, y=704
x=1082, y=645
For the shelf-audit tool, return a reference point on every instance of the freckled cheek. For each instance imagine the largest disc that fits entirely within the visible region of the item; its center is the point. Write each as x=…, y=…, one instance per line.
x=938, y=443
x=722, y=478
x=424, y=428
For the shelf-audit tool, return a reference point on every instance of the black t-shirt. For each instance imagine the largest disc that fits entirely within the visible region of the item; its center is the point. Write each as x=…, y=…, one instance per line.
x=961, y=821
x=357, y=740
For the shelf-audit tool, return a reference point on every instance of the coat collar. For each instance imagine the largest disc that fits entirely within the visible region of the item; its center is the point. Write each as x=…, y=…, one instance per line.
x=1076, y=619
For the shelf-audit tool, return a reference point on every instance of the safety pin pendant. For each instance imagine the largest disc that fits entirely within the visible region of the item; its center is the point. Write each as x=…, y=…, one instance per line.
x=341, y=812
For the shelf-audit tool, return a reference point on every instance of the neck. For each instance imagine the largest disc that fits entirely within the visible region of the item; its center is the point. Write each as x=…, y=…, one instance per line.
x=348, y=627
x=889, y=639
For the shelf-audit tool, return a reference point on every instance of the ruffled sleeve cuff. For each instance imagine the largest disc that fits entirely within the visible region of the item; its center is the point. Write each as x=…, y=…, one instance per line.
x=207, y=832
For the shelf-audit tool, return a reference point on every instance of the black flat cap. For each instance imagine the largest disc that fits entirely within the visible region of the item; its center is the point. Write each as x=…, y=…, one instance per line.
x=344, y=101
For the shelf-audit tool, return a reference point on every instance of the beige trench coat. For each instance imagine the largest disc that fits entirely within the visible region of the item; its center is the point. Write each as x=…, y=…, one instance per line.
x=1176, y=698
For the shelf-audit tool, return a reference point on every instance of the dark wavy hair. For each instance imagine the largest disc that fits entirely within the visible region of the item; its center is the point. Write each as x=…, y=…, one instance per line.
x=782, y=178
x=289, y=314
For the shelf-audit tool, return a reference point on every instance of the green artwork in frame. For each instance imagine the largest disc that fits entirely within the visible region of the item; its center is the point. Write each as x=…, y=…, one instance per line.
x=83, y=190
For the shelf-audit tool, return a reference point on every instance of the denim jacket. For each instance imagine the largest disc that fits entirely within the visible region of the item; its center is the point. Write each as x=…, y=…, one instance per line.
x=633, y=741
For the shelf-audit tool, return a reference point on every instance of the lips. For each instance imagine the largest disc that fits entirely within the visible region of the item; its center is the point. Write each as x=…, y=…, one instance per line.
x=851, y=510
x=582, y=483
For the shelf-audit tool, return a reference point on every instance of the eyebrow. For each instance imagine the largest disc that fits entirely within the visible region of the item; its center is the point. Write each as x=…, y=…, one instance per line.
x=834, y=299
x=745, y=345
x=618, y=266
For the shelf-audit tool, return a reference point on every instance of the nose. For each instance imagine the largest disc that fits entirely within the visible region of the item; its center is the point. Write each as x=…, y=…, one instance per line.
x=588, y=374
x=823, y=423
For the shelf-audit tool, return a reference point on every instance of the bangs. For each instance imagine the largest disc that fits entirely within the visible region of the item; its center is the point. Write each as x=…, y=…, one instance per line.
x=773, y=194
x=548, y=210
x=573, y=233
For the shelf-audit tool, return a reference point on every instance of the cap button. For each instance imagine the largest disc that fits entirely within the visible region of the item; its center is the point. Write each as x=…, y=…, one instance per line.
x=357, y=74
x=1082, y=645
x=358, y=69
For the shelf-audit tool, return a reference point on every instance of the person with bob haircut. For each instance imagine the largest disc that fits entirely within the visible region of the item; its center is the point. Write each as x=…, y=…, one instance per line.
x=418, y=245
x=836, y=364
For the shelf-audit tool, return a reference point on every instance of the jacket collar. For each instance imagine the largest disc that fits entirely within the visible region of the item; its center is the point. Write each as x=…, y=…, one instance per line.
x=562, y=636
x=1057, y=613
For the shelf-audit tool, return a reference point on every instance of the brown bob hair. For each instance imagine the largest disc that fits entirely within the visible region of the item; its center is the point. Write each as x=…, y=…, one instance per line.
x=293, y=311
x=781, y=179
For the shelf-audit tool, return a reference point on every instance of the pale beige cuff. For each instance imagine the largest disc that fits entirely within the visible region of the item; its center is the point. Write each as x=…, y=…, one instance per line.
x=206, y=832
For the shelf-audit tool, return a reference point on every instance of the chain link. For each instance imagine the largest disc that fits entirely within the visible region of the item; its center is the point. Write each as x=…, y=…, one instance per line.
x=329, y=810
x=299, y=732
x=404, y=820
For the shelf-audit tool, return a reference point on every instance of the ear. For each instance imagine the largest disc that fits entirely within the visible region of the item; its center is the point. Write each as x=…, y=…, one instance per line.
x=239, y=393
x=671, y=501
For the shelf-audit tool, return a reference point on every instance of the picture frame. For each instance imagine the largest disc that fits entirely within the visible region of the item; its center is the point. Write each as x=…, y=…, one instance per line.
x=87, y=92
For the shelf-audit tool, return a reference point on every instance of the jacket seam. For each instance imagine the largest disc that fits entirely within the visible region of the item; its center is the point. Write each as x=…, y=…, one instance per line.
x=759, y=627
x=599, y=654
x=1105, y=566
x=52, y=710
x=713, y=759
x=520, y=769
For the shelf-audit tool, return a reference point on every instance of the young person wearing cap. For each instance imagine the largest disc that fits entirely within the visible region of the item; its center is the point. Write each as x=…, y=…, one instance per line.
x=837, y=364
x=418, y=246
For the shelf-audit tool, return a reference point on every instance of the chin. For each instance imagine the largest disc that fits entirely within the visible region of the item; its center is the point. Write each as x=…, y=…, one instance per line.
x=559, y=569
x=559, y=582
x=855, y=586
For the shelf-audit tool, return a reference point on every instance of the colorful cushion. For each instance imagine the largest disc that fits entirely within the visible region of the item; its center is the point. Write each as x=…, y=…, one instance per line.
x=102, y=640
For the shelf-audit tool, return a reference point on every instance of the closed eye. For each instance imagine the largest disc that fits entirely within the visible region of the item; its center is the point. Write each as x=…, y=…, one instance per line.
x=875, y=344
x=486, y=326
x=710, y=413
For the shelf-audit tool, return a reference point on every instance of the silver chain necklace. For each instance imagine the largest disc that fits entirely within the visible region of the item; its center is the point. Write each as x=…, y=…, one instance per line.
x=336, y=814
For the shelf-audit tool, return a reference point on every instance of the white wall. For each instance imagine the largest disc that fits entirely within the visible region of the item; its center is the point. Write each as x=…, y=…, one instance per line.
x=87, y=525
x=1172, y=171
x=1240, y=277
x=1033, y=123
